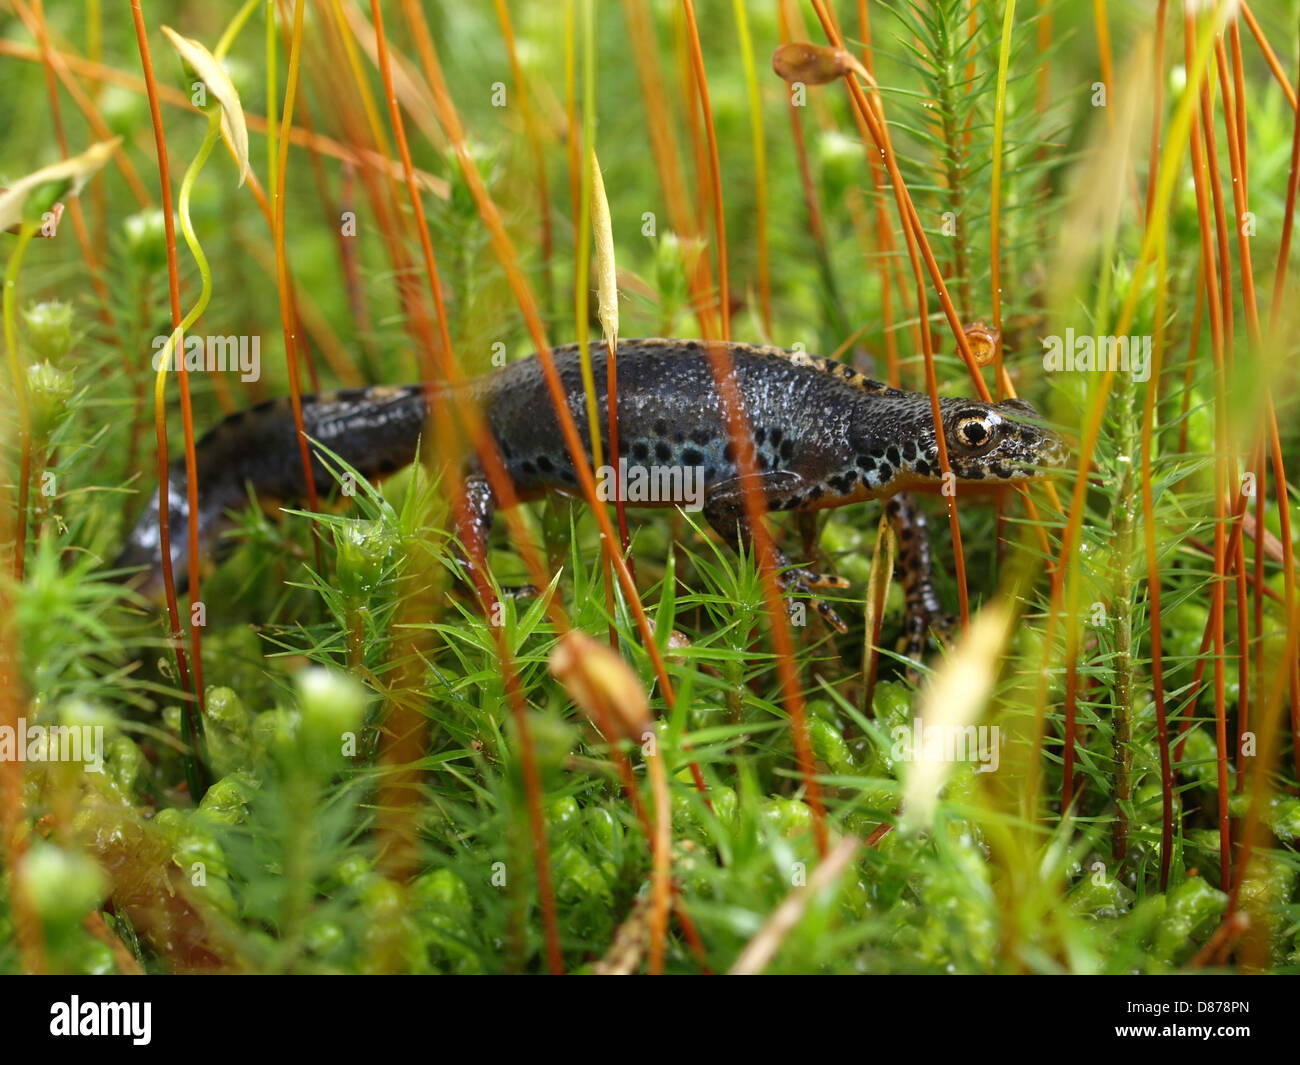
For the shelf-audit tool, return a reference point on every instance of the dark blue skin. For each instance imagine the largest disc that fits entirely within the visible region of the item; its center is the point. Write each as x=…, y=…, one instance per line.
x=823, y=434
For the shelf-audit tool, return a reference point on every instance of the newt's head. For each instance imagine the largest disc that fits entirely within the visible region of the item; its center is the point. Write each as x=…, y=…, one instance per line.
x=990, y=445
x=999, y=441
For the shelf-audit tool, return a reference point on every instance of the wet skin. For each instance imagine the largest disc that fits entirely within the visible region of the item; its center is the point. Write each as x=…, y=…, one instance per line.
x=823, y=436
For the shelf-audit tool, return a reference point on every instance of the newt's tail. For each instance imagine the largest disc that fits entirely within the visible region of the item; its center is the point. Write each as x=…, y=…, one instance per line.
x=375, y=430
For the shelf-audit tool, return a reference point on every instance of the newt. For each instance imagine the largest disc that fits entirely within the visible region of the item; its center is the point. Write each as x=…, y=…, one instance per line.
x=823, y=435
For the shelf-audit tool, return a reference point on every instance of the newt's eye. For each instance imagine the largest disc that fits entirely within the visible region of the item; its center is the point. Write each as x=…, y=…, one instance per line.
x=977, y=431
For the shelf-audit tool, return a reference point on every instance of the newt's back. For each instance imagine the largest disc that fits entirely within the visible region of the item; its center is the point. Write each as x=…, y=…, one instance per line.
x=831, y=434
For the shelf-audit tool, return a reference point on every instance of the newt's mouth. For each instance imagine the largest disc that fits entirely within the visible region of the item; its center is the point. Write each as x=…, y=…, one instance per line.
x=1024, y=455
x=1054, y=453
x=1035, y=452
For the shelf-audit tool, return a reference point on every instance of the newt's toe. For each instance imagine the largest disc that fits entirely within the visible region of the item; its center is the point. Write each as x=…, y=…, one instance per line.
x=804, y=581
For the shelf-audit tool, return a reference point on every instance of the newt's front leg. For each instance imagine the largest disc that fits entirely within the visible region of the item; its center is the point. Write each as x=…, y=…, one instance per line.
x=724, y=509
x=915, y=565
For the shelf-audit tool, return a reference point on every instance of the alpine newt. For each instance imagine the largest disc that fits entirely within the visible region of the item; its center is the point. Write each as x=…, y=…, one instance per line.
x=824, y=435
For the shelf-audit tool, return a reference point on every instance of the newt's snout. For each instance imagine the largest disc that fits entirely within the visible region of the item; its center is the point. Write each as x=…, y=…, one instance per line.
x=988, y=444
x=1000, y=441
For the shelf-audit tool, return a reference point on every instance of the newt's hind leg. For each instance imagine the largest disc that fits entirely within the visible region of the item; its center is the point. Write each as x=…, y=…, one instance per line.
x=724, y=509
x=473, y=527
x=925, y=611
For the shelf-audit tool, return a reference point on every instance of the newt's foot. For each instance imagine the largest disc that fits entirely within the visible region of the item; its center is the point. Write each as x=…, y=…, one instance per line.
x=804, y=581
x=520, y=591
x=923, y=625
x=825, y=580
x=516, y=592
